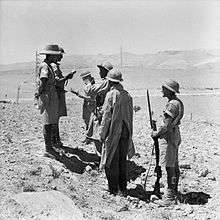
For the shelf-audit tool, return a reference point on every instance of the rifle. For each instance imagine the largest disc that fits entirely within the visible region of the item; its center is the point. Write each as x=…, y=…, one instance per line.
x=157, y=169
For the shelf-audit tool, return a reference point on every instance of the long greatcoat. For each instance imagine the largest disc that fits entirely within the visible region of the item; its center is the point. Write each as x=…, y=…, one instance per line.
x=117, y=108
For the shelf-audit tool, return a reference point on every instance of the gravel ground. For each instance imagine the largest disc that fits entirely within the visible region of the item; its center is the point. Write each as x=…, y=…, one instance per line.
x=24, y=169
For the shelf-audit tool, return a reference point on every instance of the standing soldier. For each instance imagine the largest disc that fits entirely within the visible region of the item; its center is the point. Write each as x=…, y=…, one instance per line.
x=47, y=95
x=100, y=91
x=171, y=139
x=116, y=133
x=60, y=83
x=89, y=95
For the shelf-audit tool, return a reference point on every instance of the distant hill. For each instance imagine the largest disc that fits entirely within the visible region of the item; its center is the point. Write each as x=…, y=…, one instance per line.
x=170, y=59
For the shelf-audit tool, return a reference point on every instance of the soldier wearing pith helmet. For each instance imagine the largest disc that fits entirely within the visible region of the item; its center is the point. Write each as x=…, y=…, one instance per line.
x=169, y=134
x=60, y=81
x=116, y=132
x=47, y=95
x=100, y=91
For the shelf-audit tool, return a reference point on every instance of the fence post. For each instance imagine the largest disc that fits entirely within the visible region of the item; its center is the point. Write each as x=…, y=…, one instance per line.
x=18, y=94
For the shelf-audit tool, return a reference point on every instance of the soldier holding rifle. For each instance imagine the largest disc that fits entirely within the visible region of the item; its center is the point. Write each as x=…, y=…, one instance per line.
x=171, y=139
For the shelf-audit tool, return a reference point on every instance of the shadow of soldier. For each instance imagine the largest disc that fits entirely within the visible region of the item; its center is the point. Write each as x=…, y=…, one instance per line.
x=140, y=193
x=133, y=170
x=76, y=160
x=191, y=198
x=194, y=198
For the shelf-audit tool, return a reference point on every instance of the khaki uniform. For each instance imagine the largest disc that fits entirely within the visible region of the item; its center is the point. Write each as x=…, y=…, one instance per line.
x=89, y=102
x=60, y=89
x=48, y=100
x=99, y=91
x=171, y=138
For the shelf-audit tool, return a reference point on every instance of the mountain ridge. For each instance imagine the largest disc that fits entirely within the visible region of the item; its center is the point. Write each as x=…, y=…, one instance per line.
x=167, y=59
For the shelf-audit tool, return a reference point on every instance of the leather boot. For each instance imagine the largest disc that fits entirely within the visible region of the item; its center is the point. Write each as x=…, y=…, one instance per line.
x=177, y=172
x=58, y=141
x=48, y=140
x=55, y=136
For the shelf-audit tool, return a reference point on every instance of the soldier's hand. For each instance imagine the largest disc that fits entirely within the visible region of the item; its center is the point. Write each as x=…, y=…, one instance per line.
x=153, y=133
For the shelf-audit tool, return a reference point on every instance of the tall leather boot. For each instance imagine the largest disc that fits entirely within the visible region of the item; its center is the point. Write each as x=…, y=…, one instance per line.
x=177, y=172
x=169, y=197
x=56, y=136
x=47, y=132
x=59, y=143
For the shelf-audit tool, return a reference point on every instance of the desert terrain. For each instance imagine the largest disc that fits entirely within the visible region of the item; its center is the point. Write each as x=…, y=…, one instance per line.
x=74, y=172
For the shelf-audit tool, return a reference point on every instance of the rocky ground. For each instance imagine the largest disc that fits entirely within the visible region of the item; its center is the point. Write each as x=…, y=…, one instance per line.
x=75, y=174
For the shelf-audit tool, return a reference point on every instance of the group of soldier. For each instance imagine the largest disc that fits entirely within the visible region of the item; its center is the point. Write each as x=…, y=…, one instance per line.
x=108, y=116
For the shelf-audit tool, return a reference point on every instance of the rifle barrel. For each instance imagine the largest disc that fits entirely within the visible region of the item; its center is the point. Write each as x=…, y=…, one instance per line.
x=149, y=109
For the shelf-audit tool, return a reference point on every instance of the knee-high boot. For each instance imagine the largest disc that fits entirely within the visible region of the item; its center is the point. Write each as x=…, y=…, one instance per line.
x=59, y=143
x=177, y=172
x=47, y=132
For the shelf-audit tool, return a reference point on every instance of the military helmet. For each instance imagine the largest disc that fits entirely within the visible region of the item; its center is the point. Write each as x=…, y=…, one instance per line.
x=114, y=76
x=172, y=85
x=85, y=74
x=106, y=65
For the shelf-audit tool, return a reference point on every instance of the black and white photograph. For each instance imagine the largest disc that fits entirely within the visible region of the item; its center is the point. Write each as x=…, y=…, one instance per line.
x=109, y=109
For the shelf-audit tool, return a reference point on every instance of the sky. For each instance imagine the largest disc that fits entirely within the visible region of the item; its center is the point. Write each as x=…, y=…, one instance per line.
x=92, y=27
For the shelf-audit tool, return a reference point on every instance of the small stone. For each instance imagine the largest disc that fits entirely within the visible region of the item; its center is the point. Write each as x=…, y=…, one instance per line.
x=153, y=198
x=212, y=178
x=124, y=208
x=94, y=173
x=204, y=173
x=185, y=166
x=88, y=168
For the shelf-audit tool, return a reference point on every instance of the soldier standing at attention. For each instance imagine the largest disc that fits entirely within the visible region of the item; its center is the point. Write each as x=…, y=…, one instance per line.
x=47, y=95
x=60, y=81
x=116, y=133
x=171, y=139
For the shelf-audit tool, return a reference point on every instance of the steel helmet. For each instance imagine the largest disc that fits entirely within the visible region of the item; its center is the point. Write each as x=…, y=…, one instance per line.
x=114, y=76
x=106, y=65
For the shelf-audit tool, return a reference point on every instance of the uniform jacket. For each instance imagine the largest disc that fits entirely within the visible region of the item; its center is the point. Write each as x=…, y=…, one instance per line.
x=60, y=88
x=48, y=99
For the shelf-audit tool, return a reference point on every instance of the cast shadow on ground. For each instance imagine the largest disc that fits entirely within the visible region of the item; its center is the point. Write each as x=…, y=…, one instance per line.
x=191, y=198
x=76, y=159
x=194, y=198
x=133, y=170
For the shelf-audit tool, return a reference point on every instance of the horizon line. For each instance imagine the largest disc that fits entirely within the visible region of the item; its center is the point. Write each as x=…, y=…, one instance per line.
x=107, y=54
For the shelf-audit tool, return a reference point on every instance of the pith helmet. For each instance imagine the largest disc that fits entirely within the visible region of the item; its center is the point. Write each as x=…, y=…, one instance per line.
x=172, y=86
x=85, y=74
x=51, y=49
x=61, y=50
x=114, y=76
x=106, y=65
